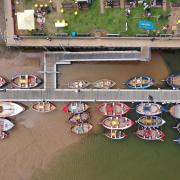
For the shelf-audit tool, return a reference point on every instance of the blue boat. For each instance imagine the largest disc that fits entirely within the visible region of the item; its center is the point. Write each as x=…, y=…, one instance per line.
x=173, y=80
x=177, y=140
x=140, y=82
x=147, y=25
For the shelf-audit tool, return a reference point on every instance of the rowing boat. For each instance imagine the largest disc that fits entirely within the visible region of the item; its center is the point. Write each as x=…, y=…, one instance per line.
x=8, y=109
x=2, y=81
x=173, y=80
x=177, y=140
x=149, y=109
x=140, y=82
x=79, y=118
x=3, y=135
x=103, y=84
x=113, y=108
x=82, y=128
x=178, y=127
x=5, y=124
x=43, y=107
x=78, y=84
x=150, y=134
x=151, y=121
x=118, y=122
x=26, y=81
x=75, y=107
x=115, y=134
x=175, y=111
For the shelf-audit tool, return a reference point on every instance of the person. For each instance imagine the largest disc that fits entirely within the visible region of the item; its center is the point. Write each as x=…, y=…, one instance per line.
x=49, y=38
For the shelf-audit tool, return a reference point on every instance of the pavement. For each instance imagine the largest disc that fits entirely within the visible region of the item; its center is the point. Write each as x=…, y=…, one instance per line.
x=2, y=21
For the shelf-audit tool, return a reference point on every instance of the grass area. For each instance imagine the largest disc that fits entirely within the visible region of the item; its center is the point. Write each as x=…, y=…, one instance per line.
x=112, y=21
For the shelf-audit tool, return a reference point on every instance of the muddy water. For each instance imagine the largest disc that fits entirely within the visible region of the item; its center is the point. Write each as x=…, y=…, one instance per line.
x=117, y=71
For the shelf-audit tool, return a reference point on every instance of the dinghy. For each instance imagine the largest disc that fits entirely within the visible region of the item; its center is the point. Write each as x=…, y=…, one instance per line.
x=173, y=80
x=8, y=109
x=79, y=118
x=117, y=122
x=26, y=81
x=3, y=135
x=175, y=111
x=104, y=84
x=76, y=107
x=2, y=81
x=178, y=127
x=149, y=109
x=177, y=140
x=150, y=134
x=113, y=108
x=115, y=134
x=151, y=121
x=5, y=124
x=43, y=107
x=140, y=82
x=78, y=84
x=82, y=128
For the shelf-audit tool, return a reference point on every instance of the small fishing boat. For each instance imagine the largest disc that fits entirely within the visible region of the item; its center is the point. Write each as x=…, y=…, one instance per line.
x=113, y=108
x=104, y=84
x=149, y=109
x=178, y=127
x=26, y=81
x=3, y=135
x=82, y=128
x=5, y=125
x=2, y=81
x=173, y=80
x=177, y=140
x=43, y=107
x=151, y=121
x=115, y=134
x=8, y=109
x=78, y=84
x=79, y=118
x=140, y=82
x=75, y=107
x=150, y=134
x=117, y=122
x=175, y=111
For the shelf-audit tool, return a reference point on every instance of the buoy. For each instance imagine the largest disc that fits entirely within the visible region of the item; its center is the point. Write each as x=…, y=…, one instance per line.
x=62, y=10
x=45, y=5
x=75, y=13
x=66, y=24
x=35, y=5
x=41, y=5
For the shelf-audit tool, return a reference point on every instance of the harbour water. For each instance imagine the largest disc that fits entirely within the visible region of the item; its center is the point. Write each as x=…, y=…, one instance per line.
x=95, y=156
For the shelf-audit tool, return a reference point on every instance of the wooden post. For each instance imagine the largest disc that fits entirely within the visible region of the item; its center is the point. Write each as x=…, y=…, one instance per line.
x=164, y=4
x=102, y=6
x=122, y=4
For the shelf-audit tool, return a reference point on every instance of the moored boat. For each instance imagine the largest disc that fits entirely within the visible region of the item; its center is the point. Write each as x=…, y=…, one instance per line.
x=26, y=81
x=140, y=82
x=82, y=128
x=149, y=109
x=3, y=135
x=8, y=109
x=117, y=122
x=151, y=121
x=175, y=111
x=79, y=118
x=78, y=84
x=43, y=107
x=5, y=124
x=2, y=81
x=75, y=107
x=173, y=80
x=150, y=134
x=177, y=140
x=178, y=127
x=115, y=134
x=104, y=84
x=113, y=108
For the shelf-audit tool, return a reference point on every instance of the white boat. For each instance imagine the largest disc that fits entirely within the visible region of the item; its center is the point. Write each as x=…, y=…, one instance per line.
x=78, y=84
x=115, y=134
x=8, y=109
x=5, y=124
x=82, y=128
x=104, y=84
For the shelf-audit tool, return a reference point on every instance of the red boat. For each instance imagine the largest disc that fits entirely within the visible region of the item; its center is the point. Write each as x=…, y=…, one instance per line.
x=113, y=108
x=2, y=81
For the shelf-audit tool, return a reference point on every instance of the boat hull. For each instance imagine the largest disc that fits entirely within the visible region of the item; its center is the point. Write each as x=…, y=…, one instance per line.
x=43, y=107
x=104, y=84
x=5, y=125
x=113, y=108
x=175, y=111
x=26, y=81
x=78, y=84
x=140, y=82
x=77, y=119
x=151, y=121
x=77, y=107
x=82, y=128
x=174, y=81
x=3, y=82
x=119, y=123
x=8, y=109
x=115, y=134
x=149, y=109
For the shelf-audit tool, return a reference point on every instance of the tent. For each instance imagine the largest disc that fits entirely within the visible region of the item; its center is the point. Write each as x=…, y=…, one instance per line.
x=147, y=25
x=25, y=20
